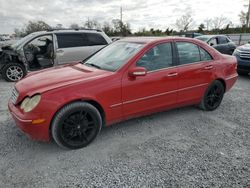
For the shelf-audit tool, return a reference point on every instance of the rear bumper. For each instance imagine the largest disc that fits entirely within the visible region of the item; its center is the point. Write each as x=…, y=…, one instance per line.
x=35, y=131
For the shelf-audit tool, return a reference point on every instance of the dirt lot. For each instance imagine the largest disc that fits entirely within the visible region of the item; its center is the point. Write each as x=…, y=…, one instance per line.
x=179, y=148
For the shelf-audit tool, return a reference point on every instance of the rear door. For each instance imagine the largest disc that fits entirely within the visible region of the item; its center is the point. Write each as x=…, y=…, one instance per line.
x=155, y=90
x=194, y=71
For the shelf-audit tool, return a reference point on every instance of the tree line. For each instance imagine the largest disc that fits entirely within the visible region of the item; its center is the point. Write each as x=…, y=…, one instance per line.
x=184, y=24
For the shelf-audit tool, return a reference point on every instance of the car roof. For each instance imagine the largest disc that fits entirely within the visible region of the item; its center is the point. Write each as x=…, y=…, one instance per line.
x=210, y=36
x=69, y=31
x=148, y=40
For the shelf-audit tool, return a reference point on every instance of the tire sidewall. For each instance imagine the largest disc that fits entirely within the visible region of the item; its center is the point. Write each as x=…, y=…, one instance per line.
x=57, y=121
x=203, y=104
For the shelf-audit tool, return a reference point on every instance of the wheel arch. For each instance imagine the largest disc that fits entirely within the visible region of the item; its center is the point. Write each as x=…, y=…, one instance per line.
x=223, y=82
x=90, y=101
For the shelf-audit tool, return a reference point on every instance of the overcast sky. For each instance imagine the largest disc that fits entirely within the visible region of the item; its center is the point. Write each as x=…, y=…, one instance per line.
x=139, y=13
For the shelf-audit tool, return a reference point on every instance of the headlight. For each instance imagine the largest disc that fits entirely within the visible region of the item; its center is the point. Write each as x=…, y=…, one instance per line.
x=236, y=51
x=29, y=104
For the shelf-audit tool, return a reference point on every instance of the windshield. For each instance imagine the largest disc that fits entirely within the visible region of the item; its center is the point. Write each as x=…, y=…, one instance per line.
x=114, y=56
x=205, y=39
x=22, y=40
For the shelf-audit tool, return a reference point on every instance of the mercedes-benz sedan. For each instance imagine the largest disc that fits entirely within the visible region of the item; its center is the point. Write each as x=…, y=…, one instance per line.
x=129, y=78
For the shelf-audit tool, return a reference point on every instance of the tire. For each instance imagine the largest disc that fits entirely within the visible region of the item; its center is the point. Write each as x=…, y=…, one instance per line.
x=76, y=125
x=13, y=72
x=213, y=96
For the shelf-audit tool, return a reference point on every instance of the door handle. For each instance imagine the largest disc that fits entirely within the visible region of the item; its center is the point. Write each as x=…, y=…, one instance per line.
x=208, y=67
x=172, y=74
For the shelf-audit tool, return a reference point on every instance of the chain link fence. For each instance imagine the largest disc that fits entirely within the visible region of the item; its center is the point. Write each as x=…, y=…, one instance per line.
x=240, y=39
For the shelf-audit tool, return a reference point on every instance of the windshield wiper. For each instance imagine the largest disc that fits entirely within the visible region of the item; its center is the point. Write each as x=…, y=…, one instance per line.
x=93, y=65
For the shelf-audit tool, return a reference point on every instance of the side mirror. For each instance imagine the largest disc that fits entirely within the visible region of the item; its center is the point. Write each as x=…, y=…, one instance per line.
x=137, y=71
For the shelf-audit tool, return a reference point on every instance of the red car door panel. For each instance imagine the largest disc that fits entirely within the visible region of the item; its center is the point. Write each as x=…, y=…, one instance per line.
x=155, y=90
x=193, y=81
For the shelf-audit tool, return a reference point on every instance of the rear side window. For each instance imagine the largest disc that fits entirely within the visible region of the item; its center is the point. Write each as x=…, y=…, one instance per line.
x=188, y=52
x=191, y=53
x=222, y=40
x=71, y=40
x=205, y=56
x=95, y=39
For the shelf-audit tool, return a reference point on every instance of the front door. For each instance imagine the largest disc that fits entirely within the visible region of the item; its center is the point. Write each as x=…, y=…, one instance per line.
x=155, y=90
x=39, y=52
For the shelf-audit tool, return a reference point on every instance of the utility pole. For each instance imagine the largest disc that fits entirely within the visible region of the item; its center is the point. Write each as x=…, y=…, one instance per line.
x=89, y=24
x=121, y=23
x=121, y=12
x=248, y=14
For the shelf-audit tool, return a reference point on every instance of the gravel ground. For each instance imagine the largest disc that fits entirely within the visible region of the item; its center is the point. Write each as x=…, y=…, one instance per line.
x=179, y=148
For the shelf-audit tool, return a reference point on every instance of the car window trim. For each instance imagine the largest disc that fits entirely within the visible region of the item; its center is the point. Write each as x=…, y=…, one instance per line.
x=177, y=66
x=177, y=53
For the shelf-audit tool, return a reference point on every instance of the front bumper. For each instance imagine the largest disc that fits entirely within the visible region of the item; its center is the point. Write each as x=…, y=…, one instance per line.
x=243, y=64
x=24, y=122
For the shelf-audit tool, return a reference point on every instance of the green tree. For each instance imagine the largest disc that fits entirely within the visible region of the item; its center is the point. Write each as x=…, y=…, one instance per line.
x=92, y=24
x=74, y=26
x=32, y=26
x=201, y=28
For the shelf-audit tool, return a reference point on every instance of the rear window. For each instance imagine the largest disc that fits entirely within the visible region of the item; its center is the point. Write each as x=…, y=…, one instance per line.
x=66, y=40
x=95, y=39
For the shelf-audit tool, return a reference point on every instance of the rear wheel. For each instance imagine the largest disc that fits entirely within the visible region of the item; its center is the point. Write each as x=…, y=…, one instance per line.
x=13, y=72
x=213, y=96
x=76, y=125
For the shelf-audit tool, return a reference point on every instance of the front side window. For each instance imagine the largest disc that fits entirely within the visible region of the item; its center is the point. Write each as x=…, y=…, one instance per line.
x=114, y=55
x=70, y=40
x=158, y=57
x=213, y=42
x=188, y=52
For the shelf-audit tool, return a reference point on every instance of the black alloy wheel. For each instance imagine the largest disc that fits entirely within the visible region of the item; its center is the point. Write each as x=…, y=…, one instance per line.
x=213, y=96
x=76, y=125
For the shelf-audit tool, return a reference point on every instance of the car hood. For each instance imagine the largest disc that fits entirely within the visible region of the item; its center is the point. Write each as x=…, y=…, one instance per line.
x=56, y=77
x=245, y=47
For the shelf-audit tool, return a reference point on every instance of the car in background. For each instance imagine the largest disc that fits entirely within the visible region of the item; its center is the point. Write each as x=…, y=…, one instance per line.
x=222, y=43
x=242, y=53
x=129, y=78
x=46, y=49
x=192, y=35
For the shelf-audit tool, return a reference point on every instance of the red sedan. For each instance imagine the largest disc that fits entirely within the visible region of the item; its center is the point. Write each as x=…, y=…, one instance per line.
x=129, y=78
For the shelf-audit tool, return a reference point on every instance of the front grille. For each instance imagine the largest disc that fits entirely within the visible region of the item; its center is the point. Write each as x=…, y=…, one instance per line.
x=245, y=55
x=14, y=96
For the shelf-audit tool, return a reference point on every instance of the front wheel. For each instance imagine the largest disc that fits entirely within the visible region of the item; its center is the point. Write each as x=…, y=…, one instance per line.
x=13, y=72
x=213, y=96
x=76, y=125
